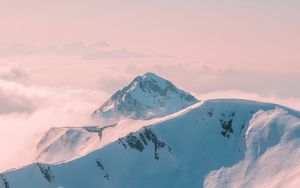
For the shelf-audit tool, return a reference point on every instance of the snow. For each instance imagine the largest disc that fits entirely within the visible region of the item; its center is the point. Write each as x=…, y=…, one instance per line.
x=150, y=96
x=59, y=145
x=147, y=96
x=272, y=156
x=220, y=143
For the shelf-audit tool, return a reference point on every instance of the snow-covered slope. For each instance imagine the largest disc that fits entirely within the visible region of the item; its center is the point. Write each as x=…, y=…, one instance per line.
x=66, y=143
x=146, y=97
x=272, y=156
x=222, y=143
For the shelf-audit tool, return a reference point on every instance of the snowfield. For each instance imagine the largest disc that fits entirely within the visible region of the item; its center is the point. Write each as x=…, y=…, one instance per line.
x=271, y=156
x=220, y=143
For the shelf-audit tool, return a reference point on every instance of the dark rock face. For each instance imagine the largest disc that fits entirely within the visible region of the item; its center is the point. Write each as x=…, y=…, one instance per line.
x=99, y=130
x=227, y=128
x=143, y=139
x=100, y=165
x=226, y=125
x=46, y=171
x=134, y=142
x=210, y=112
x=4, y=181
x=130, y=101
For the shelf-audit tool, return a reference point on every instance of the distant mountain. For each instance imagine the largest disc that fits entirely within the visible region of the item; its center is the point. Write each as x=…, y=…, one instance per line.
x=221, y=143
x=147, y=96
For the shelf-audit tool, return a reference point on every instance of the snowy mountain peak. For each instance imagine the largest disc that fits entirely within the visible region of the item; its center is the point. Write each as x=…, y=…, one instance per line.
x=151, y=77
x=147, y=96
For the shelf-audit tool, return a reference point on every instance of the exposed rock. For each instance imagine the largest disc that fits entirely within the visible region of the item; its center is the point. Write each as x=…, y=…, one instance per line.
x=46, y=171
x=226, y=124
x=100, y=165
x=4, y=181
x=143, y=139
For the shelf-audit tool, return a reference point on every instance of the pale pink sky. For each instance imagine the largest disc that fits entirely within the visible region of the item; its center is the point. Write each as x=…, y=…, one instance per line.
x=237, y=32
x=253, y=37
x=60, y=59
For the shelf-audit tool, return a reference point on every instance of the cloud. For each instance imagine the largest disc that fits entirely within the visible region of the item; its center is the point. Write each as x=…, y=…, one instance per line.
x=238, y=94
x=76, y=49
x=268, y=83
x=26, y=112
x=15, y=99
x=12, y=73
x=114, y=54
x=73, y=49
x=59, y=93
x=67, y=49
x=111, y=83
x=17, y=49
x=101, y=44
x=206, y=77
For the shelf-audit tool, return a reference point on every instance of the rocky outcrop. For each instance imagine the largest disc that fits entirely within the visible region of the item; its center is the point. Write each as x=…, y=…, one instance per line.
x=4, y=181
x=226, y=124
x=46, y=171
x=143, y=139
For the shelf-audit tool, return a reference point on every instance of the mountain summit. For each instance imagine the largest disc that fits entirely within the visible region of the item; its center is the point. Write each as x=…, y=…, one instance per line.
x=147, y=96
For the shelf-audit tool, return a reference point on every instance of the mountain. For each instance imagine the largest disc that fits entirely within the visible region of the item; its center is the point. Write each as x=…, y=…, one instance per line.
x=220, y=143
x=147, y=96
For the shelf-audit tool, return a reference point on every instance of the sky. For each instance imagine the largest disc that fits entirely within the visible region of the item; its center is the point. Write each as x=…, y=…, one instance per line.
x=61, y=59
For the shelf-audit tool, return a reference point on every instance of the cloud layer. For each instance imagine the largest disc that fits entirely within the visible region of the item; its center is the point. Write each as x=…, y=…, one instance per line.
x=62, y=88
x=98, y=50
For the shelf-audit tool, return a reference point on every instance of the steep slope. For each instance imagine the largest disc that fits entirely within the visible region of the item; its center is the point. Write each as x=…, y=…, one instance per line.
x=272, y=158
x=146, y=97
x=208, y=146
x=68, y=143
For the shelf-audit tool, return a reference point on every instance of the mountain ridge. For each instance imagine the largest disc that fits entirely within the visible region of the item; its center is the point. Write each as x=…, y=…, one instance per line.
x=191, y=149
x=139, y=100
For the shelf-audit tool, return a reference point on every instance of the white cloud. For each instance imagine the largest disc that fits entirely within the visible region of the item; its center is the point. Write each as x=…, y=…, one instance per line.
x=12, y=73
x=50, y=92
x=14, y=100
x=236, y=94
x=76, y=49
x=115, y=54
x=26, y=112
x=67, y=49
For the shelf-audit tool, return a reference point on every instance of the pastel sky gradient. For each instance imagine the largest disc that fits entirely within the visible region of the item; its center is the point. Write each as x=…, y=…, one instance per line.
x=60, y=59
